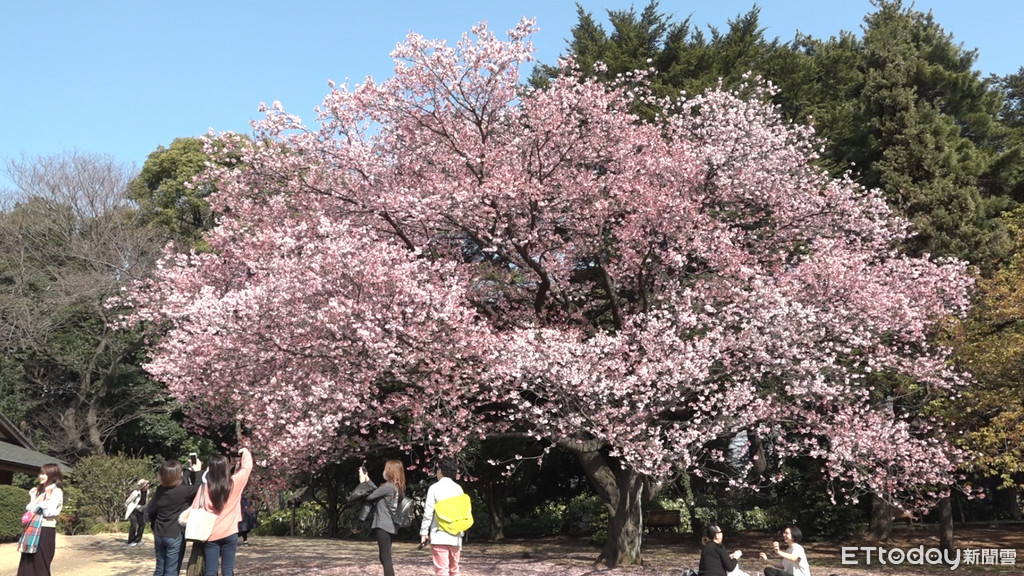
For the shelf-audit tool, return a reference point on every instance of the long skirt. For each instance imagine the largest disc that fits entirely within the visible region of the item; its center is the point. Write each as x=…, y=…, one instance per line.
x=38, y=564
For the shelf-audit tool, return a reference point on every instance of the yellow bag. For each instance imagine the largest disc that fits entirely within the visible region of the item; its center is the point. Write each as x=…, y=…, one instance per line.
x=454, y=515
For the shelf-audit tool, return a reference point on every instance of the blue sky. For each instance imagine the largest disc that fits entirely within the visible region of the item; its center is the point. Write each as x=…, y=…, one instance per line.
x=121, y=78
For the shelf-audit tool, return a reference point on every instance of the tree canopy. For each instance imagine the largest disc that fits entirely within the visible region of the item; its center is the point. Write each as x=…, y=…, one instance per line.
x=900, y=107
x=450, y=255
x=166, y=195
x=69, y=241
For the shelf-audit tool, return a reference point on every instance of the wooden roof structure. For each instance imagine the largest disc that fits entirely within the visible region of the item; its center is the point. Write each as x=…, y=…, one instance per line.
x=18, y=454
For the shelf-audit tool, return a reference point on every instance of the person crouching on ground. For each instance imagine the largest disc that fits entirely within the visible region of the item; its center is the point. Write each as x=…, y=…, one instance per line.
x=714, y=560
x=794, y=559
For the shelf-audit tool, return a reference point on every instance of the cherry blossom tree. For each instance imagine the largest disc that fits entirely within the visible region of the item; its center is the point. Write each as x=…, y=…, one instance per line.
x=448, y=255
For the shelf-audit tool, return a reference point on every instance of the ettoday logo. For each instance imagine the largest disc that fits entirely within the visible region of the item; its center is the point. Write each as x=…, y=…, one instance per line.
x=919, y=556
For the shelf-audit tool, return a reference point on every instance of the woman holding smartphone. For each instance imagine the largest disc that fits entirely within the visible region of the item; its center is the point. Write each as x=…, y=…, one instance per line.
x=383, y=499
x=222, y=495
x=171, y=499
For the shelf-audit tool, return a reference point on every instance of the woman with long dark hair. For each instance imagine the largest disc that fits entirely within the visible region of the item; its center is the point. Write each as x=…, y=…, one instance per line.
x=384, y=500
x=222, y=495
x=48, y=498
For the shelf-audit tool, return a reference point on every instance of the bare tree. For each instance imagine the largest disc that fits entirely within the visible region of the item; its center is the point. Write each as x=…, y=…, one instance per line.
x=69, y=240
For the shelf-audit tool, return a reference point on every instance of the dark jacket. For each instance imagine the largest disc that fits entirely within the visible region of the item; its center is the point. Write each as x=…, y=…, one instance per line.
x=715, y=561
x=248, y=516
x=383, y=500
x=358, y=496
x=165, y=507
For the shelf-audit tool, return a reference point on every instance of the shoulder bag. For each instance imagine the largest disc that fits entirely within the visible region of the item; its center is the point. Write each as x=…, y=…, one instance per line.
x=199, y=524
x=454, y=515
x=29, y=541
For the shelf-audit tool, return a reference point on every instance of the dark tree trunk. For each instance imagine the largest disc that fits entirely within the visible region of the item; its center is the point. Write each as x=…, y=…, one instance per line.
x=759, y=466
x=960, y=509
x=495, y=504
x=333, y=505
x=880, y=523
x=1008, y=499
x=1015, y=510
x=622, y=492
x=625, y=524
x=945, y=524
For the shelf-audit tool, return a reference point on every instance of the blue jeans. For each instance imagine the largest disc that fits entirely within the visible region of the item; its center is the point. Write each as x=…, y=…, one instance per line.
x=224, y=551
x=169, y=552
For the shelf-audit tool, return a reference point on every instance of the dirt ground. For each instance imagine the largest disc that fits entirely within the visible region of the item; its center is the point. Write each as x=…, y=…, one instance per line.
x=664, y=555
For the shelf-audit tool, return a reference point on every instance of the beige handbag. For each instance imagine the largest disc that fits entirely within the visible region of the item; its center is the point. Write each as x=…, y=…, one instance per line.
x=198, y=521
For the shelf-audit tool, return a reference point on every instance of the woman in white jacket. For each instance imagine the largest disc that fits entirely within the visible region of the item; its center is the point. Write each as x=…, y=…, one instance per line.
x=445, y=548
x=48, y=498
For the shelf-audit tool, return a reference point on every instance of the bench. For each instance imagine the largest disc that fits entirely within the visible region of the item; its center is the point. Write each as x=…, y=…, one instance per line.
x=663, y=518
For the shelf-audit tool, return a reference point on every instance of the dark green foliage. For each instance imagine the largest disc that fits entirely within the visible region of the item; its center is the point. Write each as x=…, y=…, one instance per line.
x=509, y=487
x=926, y=118
x=165, y=197
x=685, y=59
x=310, y=522
x=12, y=506
x=802, y=498
x=104, y=482
x=900, y=107
x=69, y=241
x=1007, y=172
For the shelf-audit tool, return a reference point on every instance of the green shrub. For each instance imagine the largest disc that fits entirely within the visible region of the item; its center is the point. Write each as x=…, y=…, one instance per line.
x=310, y=522
x=586, y=515
x=804, y=496
x=12, y=506
x=762, y=519
x=550, y=519
x=70, y=520
x=677, y=503
x=102, y=483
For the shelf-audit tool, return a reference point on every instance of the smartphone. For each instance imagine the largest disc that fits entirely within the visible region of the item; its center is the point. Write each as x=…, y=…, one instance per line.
x=362, y=468
x=192, y=458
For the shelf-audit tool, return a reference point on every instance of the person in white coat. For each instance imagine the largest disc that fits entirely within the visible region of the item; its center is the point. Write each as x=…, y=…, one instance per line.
x=445, y=548
x=134, y=510
x=46, y=498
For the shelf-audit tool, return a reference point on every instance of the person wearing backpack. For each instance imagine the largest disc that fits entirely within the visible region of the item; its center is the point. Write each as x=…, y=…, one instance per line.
x=385, y=499
x=445, y=547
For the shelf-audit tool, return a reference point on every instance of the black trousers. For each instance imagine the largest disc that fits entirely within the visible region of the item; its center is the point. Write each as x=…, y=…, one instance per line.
x=384, y=547
x=38, y=564
x=137, y=526
x=773, y=571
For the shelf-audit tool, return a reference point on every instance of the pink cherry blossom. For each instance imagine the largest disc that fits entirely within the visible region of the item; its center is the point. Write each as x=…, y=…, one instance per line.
x=448, y=255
